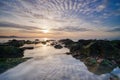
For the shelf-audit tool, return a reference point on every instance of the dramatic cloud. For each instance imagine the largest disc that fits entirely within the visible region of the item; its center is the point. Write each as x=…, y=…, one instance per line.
x=72, y=29
x=12, y=25
x=61, y=16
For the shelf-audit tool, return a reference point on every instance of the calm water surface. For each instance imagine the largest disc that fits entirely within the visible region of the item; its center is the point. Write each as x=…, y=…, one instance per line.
x=2, y=40
x=48, y=63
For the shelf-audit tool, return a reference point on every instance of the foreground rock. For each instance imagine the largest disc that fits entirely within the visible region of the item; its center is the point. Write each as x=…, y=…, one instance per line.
x=13, y=48
x=100, y=54
x=6, y=63
x=10, y=52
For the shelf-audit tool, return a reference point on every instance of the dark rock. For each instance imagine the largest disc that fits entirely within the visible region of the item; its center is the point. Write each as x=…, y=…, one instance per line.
x=7, y=63
x=58, y=46
x=10, y=52
x=99, y=54
x=28, y=42
x=16, y=43
x=43, y=42
x=68, y=53
x=24, y=48
x=36, y=41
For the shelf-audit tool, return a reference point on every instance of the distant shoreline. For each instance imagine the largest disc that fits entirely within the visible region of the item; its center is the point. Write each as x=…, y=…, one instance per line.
x=11, y=37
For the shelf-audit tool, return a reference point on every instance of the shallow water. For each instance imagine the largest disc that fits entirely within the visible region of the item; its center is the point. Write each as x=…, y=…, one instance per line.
x=48, y=63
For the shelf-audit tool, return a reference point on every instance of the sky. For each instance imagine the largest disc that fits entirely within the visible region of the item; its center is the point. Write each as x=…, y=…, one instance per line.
x=78, y=19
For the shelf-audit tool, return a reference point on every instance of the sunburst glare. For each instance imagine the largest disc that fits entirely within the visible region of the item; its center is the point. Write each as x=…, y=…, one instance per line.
x=45, y=31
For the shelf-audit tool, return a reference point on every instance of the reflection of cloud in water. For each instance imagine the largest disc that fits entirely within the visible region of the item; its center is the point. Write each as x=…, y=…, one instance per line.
x=45, y=65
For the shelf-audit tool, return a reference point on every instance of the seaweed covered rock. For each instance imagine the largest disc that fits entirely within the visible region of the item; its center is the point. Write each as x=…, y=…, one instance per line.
x=104, y=49
x=98, y=49
x=116, y=43
x=16, y=43
x=10, y=52
x=6, y=63
x=100, y=56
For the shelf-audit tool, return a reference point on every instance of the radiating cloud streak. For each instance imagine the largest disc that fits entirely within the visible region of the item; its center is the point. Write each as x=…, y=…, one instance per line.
x=60, y=15
x=72, y=29
x=12, y=25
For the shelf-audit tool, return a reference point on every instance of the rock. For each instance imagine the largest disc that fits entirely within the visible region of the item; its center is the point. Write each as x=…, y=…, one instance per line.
x=24, y=48
x=10, y=52
x=28, y=42
x=100, y=54
x=36, y=41
x=90, y=61
x=58, y=46
x=43, y=42
x=7, y=63
x=68, y=53
x=16, y=43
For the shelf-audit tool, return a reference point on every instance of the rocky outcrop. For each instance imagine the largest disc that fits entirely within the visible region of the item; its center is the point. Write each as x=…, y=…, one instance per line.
x=12, y=48
x=10, y=52
x=96, y=53
x=15, y=43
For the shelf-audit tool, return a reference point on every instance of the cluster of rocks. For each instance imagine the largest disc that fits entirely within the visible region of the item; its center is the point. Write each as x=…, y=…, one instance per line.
x=98, y=53
x=13, y=49
x=11, y=53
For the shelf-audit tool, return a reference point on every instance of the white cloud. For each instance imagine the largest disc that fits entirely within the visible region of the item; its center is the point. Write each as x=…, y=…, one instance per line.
x=57, y=13
x=101, y=7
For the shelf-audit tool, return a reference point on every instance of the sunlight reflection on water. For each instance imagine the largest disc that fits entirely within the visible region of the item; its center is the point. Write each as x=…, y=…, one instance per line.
x=44, y=50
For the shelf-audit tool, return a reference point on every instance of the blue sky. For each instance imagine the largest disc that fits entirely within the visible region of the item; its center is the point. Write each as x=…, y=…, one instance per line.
x=61, y=18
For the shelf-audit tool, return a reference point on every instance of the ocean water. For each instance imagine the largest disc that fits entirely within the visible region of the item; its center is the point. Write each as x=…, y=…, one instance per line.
x=2, y=40
x=48, y=63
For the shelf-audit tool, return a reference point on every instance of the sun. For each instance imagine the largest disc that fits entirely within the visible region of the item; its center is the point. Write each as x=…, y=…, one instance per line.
x=45, y=31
